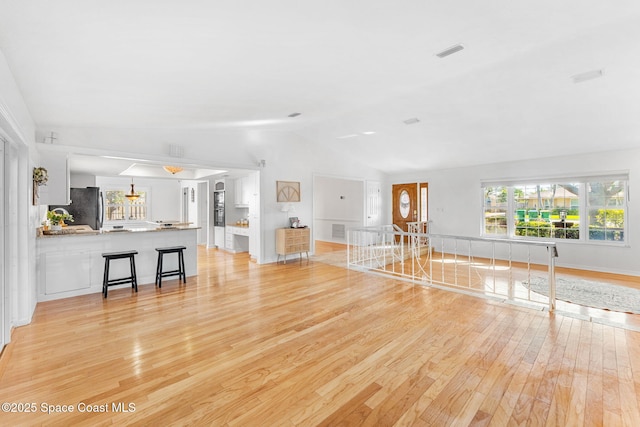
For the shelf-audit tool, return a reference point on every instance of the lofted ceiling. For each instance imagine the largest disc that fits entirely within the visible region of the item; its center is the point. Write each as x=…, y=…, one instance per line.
x=355, y=70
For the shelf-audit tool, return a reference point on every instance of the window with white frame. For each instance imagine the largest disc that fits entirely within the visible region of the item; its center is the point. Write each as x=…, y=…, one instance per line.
x=118, y=208
x=607, y=209
x=590, y=209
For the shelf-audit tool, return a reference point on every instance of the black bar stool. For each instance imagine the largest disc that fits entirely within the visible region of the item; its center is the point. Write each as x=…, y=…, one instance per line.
x=106, y=282
x=179, y=272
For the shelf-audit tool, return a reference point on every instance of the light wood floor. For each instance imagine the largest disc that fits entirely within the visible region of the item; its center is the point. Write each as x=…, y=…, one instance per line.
x=314, y=344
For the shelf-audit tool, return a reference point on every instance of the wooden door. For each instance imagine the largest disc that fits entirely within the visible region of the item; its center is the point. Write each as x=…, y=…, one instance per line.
x=405, y=204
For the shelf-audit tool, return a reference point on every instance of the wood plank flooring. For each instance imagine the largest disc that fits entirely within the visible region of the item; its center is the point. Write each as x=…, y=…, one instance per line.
x=313, y=344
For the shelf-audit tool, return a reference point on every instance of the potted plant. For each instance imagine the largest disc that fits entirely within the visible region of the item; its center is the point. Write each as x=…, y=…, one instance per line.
x=57, y=219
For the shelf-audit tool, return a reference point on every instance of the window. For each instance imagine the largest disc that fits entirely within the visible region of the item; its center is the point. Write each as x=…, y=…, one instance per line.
x=547, y=210
x=580, y=209
x=119, y=208
x=495, y=211
x=606, y=203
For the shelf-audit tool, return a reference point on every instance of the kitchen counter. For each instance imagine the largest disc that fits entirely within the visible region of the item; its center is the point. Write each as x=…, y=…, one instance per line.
x=237, y=238
x=79, y=230
x=71, y=264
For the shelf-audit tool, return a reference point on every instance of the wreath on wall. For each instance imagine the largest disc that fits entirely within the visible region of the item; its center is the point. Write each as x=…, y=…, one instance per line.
x=40, y=177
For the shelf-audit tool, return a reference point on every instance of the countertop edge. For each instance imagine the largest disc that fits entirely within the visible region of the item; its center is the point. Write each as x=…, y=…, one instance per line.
x=40, y=235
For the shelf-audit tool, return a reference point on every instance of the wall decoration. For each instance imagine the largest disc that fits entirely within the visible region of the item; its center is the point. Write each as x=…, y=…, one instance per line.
x=40, y=177
x=288, y=191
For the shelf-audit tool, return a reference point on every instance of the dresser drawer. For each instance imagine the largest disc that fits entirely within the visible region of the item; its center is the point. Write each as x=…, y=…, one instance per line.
x=292, y=240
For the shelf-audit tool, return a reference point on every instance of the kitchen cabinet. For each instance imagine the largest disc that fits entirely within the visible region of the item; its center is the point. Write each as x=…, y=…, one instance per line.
x=57, y=267
x=218, y=237
x=244, y=190
x=292, y=240
x=237, y=239
x=57, y=190
x=72, y=264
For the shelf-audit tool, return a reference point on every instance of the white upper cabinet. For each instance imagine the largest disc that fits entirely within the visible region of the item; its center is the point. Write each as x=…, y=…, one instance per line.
x=57, y=190
x=244, y=189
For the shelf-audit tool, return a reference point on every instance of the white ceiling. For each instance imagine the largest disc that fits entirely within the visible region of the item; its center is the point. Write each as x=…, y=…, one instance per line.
x=348, y=66
x=145, y=168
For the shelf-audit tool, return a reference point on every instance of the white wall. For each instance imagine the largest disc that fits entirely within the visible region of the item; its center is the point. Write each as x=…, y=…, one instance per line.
x=337, y=201
x=455, y=202
x=82, y=180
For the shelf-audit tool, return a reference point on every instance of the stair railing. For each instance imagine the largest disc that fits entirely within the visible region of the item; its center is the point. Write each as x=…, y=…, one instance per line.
x=499, y=268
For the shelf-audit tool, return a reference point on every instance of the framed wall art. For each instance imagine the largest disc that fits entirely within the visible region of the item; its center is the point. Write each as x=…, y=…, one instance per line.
x=287, y=191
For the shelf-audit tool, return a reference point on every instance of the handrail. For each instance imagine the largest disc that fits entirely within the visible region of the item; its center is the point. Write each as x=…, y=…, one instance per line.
x=382, y=248
x=451, y=236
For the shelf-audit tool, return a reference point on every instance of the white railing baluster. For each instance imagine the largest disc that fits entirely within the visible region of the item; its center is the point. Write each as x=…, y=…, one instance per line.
x=553, y=254
x=381, y=248
x=493, y=264
x=469, y=264
x=510, y=285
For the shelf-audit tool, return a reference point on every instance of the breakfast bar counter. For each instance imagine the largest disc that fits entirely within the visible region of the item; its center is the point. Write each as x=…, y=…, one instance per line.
x=70, y=263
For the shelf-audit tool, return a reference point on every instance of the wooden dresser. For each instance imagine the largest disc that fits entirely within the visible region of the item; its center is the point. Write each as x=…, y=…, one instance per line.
x=292, y=241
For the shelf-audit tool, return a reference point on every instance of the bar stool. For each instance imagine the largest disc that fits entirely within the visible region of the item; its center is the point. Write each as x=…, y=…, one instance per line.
x=179, y=272
x=106, y=282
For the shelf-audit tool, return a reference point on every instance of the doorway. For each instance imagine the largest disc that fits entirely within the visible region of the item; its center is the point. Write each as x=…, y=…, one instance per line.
x=405, y=204
x=9, y=232
x=203, y=213
x=374, y=202
x=410, y=203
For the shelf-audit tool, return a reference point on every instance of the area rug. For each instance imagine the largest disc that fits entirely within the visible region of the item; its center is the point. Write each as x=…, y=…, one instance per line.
x=336, y=258
x=590, y=293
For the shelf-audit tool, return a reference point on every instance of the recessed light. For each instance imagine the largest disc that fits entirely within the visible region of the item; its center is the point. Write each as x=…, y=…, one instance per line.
x=589, y=75
x=294, y=114
x=368, y=132
x=411, y=121
x=352, y=135
x=450, y=51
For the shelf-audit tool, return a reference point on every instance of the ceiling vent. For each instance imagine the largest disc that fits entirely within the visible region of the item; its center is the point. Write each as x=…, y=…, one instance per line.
x=450, y=51
x=411, y=121
x=589, y=75
x=294, y=114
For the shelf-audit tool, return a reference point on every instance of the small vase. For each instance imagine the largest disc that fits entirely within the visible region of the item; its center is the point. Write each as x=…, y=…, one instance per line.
x=56, y=227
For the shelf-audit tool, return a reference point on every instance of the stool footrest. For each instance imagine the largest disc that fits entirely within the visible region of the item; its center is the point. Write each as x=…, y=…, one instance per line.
x=122, y=281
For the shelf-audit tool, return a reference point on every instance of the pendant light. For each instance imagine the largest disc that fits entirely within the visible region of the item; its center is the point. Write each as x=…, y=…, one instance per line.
x=132, y=194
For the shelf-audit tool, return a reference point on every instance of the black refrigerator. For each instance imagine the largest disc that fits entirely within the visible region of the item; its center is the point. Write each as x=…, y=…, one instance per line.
x=87, y=207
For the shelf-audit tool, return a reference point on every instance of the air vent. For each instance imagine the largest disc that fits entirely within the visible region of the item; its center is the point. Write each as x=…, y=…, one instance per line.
x=337, y=231
x=294, y=114
x=411, y=121
x=589, y=75
x=450, y=51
